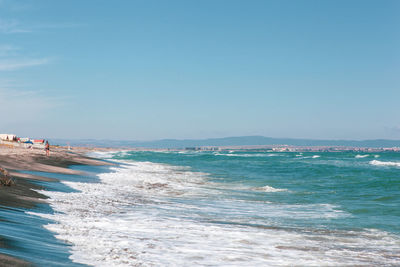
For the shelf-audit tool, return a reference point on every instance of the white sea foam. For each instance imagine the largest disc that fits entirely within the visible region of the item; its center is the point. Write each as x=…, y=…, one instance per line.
x=101, y=154
x=269, y=189
x=256, y=155
x=384, y=163
x=361, y=156
x=147, y=214
x=273, y=155
x=316, y=156
x=107, y=154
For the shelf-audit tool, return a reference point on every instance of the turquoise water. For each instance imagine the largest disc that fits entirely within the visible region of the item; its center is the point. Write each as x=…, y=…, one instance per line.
x=368, y=194
x=22, y=232
x=233, y=209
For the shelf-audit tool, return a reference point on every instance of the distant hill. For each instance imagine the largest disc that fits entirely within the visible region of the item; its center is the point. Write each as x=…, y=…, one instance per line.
x=227, y=141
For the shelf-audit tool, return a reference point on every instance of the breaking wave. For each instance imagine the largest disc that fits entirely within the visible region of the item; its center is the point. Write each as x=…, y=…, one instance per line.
x=155, y=214
x=384, y=163
x=269, y=189
x=247, y=155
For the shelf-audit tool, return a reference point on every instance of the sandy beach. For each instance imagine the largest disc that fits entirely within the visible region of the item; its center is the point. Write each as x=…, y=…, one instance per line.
x=21, y=194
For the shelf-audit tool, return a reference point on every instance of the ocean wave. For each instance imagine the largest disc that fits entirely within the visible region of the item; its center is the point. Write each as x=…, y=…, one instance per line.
x=151, y=214
x=384, y=163
x=108, y=154
x=361, y=156
x=247, y=155
x=139, y=238
x=109, y=225
x=231, y=155
x=307, y=157
x=268, y=188
x=102, y=154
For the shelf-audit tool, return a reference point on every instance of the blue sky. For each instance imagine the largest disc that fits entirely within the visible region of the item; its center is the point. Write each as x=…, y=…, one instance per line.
x=145, y=70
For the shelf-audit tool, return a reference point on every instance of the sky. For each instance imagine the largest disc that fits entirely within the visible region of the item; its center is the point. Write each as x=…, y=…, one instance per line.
x=146, y=70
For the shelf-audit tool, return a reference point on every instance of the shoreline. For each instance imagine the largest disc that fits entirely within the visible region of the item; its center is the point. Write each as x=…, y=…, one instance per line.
x=22, y=193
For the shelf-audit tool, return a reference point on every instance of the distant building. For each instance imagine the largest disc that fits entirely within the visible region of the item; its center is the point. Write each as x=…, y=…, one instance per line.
x=8, y=137
x=13, y=141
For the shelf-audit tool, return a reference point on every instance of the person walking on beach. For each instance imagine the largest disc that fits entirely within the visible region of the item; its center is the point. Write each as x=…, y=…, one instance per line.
x=47, y=148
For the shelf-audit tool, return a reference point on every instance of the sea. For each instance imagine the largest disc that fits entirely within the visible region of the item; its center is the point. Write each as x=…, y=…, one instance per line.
x=225, y=208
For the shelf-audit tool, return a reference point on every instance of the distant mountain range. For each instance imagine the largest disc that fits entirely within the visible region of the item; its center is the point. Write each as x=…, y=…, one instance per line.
x=227, y=141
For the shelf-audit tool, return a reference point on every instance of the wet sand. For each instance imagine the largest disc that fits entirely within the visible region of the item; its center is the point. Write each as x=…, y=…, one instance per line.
x=6, y=260
x=21, y=194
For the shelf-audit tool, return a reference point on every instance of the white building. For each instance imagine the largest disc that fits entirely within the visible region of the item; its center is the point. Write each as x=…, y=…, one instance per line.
x=8, y=137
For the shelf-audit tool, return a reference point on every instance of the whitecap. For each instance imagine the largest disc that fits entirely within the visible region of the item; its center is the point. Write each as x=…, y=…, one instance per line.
x=248, y=155
x=102, y=154
x=269, y=189
x=384, y=163
x=361, y=156
x=243, y=155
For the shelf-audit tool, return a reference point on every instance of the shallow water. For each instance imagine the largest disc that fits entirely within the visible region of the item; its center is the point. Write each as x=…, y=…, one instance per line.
x=24, y=237
x=233, y=209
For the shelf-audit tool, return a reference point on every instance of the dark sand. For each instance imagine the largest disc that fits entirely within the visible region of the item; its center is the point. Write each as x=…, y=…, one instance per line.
x=21, y=194
x=6, y=260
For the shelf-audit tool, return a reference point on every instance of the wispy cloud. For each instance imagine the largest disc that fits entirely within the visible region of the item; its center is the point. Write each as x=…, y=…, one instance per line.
x=29, y=112
x=12, y=26
x=20, y=102
x=15, y=64
x=43, y=26
x=25, y=105
x=14, y=5
x=7, y=50
x=12, y=58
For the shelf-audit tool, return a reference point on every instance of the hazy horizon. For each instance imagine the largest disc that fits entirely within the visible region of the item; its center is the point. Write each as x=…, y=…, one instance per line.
x=151, y=70
x=241, y=141
x=224, y=137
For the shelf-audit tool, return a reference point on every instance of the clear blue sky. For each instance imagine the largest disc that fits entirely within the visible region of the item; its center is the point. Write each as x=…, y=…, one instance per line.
x=144, y=70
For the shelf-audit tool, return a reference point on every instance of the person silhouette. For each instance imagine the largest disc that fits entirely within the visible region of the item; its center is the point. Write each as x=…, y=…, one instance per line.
x=47, y=148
